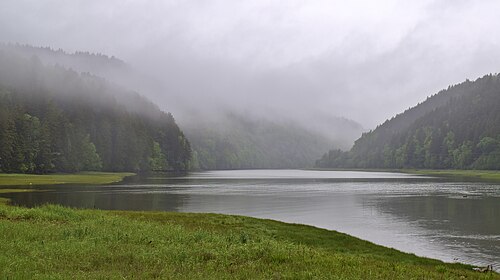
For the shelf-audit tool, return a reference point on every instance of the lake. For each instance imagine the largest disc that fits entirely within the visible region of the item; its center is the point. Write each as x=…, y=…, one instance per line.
x=438, y=218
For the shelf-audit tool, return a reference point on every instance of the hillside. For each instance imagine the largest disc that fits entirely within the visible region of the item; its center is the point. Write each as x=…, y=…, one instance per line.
x=237, y=142
x=220, y=140
x=84, y=62
x=53, y=119
x=456, y=128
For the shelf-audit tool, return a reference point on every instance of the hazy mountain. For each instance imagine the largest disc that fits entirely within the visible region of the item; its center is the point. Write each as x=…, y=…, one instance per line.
x=456, y=128
x=56, y=119
x=243, y=140
x=236, y=141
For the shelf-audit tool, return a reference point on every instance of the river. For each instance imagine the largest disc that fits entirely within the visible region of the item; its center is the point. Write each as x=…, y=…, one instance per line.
x=454, y=221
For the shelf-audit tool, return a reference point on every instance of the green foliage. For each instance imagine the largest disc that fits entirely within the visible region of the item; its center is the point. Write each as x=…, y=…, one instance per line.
x=236, y=142
x=90, y=159
x=52, y=242
x=158, y=161
x=56, y=120
x=457, y=128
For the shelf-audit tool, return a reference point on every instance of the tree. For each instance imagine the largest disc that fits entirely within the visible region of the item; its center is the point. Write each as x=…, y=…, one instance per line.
x=90, y=159
x=462, y=156
x=158, y=161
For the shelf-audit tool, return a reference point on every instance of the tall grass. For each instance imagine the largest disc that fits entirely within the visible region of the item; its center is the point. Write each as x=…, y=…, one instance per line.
x=59, y=243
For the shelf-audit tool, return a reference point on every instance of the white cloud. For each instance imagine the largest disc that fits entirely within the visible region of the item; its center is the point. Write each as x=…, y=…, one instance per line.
x=348, y=58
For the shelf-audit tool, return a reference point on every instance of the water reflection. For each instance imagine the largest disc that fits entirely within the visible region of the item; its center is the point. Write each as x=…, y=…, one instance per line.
x=452, y=221
x=460, y=223
x=107, y=198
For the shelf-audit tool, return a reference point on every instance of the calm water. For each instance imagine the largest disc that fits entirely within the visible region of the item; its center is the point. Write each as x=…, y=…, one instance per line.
x=448, y=220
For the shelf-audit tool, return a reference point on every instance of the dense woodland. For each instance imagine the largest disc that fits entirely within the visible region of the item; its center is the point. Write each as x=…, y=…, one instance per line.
x=456, y=128
x=237, y=142
x=53, y=119
x=222, y=139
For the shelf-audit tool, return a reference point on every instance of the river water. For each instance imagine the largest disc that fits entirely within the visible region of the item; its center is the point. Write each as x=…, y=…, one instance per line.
x=454, y=221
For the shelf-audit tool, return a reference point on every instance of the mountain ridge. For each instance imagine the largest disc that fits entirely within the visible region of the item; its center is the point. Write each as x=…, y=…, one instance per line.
x=456, y=128
x=54, y=119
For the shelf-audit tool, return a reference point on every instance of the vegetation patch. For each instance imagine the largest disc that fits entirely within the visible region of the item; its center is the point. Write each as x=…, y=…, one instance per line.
x=54, y=242
x=485, y=175
x=92, y=178
x=457, y=128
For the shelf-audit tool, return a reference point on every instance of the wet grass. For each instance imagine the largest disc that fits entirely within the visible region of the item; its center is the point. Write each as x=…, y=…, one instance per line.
x=481, y=175
x=470, y=175
x=89, y=178
x=57, y=243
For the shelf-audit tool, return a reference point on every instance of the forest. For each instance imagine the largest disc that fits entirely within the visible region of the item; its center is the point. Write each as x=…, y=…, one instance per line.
x=53, y=119
x=219, y=140
x=238, y=142
x=456, y=128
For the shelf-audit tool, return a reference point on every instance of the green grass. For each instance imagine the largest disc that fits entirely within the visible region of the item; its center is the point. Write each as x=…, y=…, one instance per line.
x=54, y=242
x=475, y=175
x=484, y=175
x=15, y=190
x=89, y=178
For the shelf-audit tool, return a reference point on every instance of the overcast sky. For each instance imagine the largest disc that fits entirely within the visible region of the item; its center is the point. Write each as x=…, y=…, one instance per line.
x=363, y=60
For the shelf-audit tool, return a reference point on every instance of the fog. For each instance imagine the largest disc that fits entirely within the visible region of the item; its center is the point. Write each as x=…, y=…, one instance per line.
x=296, y=60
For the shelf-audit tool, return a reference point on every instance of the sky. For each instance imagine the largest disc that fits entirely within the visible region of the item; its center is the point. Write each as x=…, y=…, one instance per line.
x=362, y=60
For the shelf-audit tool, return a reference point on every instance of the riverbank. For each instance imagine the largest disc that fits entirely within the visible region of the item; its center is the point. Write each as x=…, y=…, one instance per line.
x=482, y=175
x=473, y=175
x=88, y=178
x=54, y=242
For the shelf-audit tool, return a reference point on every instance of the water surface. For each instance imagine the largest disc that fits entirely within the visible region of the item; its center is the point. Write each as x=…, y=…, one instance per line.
x=438, y=218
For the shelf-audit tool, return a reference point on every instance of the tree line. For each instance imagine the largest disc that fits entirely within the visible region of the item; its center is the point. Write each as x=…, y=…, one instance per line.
x=462, y=132
x=55, y=120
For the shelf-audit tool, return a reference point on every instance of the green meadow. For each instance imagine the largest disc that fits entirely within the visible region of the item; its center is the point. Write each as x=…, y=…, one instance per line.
x=88, y=178
x=54, y=242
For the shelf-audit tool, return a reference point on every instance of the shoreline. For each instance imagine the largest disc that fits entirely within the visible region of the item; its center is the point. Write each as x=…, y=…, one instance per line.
x=141, y=244
x=359, y=258
x=466, y=174
x=90, y=178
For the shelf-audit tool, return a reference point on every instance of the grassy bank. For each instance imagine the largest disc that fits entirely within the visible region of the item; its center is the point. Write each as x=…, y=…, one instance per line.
x=57, y=242
x=483, y=175
x=477, y=175
x=89, y=178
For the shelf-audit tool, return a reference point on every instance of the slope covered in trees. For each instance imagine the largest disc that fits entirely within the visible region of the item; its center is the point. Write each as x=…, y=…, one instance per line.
x=456, y=128
x=222, y=139
x=236, y=142
x=57, y=120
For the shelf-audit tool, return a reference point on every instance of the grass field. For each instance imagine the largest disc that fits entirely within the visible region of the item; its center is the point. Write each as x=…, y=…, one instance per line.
x=89, y=178
x=485, y=175
x=481, y=175
x=57, y=243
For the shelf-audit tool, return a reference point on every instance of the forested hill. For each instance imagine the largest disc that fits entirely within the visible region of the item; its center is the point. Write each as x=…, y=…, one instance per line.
x=57, y=120
x=456, y=128
x=221, y=139
x=95, y=63
x=236, y=142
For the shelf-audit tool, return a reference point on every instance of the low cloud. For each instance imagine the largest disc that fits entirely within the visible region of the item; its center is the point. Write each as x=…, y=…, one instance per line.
x=292, y=59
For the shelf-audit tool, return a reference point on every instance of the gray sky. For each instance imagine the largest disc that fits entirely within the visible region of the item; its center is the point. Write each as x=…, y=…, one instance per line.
x=363, y=60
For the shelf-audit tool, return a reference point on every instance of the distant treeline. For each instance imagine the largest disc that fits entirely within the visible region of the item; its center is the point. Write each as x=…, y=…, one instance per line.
x=219, y=140
x=56, y=120
x=456, y=128
x=238, y=142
